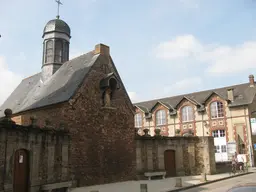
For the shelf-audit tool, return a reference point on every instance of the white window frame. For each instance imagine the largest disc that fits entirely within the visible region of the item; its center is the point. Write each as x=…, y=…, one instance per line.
x=217, y=149
x=161, y=117
x=223, y=147
x=219, y=133
x=217, y=107
x=187, y=113
x=138, y=120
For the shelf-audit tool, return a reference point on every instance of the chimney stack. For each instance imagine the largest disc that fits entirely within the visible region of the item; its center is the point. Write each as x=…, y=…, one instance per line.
x=231, y=94
x=101, y=49
x=251, y=80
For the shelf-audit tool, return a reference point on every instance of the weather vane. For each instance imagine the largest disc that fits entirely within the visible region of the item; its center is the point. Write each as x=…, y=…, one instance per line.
x=59, y=3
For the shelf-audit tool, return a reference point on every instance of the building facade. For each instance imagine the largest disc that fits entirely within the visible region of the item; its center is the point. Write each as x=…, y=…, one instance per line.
x=87, y=96
x=223, y=113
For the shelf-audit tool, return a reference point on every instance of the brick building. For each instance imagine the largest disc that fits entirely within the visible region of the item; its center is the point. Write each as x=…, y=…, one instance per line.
x=224, y=113
x=86, y=95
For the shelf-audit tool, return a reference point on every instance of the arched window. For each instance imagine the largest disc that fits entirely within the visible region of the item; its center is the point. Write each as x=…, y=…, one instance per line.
x=138, y=120
x=217, y=110
x=49, y=51
x=58, y=51
x=187, y=114
x=160, y=117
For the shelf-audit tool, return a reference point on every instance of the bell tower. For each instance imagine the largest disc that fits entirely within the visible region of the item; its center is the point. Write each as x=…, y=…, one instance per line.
x=56, y=38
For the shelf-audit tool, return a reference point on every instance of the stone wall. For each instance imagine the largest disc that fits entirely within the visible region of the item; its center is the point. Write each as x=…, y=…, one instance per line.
x=193, y=155
x=47, y=156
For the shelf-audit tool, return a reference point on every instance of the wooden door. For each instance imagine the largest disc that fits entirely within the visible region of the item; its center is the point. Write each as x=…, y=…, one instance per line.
x=169, y=163
x=21, y=171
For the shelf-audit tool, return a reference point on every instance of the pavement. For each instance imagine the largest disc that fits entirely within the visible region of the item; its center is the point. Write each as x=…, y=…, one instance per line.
x=189, y=184
x=224, y=185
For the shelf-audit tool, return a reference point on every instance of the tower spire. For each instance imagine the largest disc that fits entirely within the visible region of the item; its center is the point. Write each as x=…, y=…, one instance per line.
x=59, y=3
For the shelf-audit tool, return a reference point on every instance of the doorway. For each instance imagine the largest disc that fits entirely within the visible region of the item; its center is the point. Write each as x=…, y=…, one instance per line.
x=21, y=171
x=169, y=163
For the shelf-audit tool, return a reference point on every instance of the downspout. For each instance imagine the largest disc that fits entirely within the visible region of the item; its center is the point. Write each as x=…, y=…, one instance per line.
x=249, y=144
x=203, y=123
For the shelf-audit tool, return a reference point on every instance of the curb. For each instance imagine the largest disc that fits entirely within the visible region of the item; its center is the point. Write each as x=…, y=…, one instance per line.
x=209, y=182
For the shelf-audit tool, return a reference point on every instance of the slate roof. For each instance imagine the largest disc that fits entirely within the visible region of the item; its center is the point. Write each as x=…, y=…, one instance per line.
x=32, y=93
x=243, y=95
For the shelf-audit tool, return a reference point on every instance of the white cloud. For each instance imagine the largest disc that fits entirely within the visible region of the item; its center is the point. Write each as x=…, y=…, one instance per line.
x=184, y=86
x=220, y=59
x=8, y=79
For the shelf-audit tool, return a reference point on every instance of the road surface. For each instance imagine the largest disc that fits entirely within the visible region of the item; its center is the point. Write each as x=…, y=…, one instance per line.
x=224, y=185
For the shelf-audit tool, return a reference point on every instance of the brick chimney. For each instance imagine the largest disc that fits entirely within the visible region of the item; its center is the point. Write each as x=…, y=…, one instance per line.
x=101, y=49
x=231, y=94
x=251, y=80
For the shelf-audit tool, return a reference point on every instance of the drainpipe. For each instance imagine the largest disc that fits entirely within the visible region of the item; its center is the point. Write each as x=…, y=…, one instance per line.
x=250, y=145
x=203, y=123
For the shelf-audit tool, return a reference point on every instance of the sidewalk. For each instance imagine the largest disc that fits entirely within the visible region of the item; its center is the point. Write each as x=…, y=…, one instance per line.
x=160, y=185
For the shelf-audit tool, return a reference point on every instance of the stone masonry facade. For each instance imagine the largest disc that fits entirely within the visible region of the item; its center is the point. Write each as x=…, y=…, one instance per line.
x=47, y=160
x=102, y=138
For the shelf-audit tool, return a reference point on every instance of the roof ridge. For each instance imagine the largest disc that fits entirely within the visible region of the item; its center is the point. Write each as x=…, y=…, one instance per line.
x=77, y=57
x=31, y=76
x=187, y=94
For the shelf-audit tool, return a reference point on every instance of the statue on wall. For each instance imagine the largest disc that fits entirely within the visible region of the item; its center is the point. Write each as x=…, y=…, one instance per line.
x=107, y=97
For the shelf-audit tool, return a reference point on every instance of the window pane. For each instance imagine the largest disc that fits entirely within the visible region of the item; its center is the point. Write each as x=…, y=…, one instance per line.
x=213, y=110
x=160, y=117
x=49, y=51
x=222, y=133
x=217, y=110
x=223, y=149
x=220, y=109
x=58, y=51
x=215, y=134
x=138, y=120
x=187, y=114
x=217, y=148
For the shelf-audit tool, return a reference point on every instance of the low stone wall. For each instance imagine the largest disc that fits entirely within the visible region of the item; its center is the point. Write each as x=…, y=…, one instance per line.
x=193, y=155
x=32, y=158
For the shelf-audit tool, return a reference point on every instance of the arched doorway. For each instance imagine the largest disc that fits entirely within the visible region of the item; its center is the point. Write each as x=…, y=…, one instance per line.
x=21, y=171
x=169, y=163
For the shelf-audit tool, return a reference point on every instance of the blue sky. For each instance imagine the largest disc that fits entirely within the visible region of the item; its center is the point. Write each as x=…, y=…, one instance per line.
x=160, y=47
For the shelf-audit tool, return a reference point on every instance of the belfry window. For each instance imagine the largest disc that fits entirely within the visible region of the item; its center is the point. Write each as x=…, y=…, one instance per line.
x=58, y=51
x=49, y=51
x=65, y=52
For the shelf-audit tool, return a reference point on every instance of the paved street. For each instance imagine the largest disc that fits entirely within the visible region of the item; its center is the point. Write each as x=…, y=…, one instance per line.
x=159, y=185
x=224, y=185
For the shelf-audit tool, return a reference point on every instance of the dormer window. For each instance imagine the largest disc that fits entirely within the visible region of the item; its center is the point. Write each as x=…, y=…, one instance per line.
x=217, y=110
x=160, y=117
x=138, y=120
x=187, y=114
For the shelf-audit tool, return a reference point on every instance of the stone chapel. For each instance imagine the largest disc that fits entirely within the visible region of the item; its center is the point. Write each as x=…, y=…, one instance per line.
x=86, y=96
